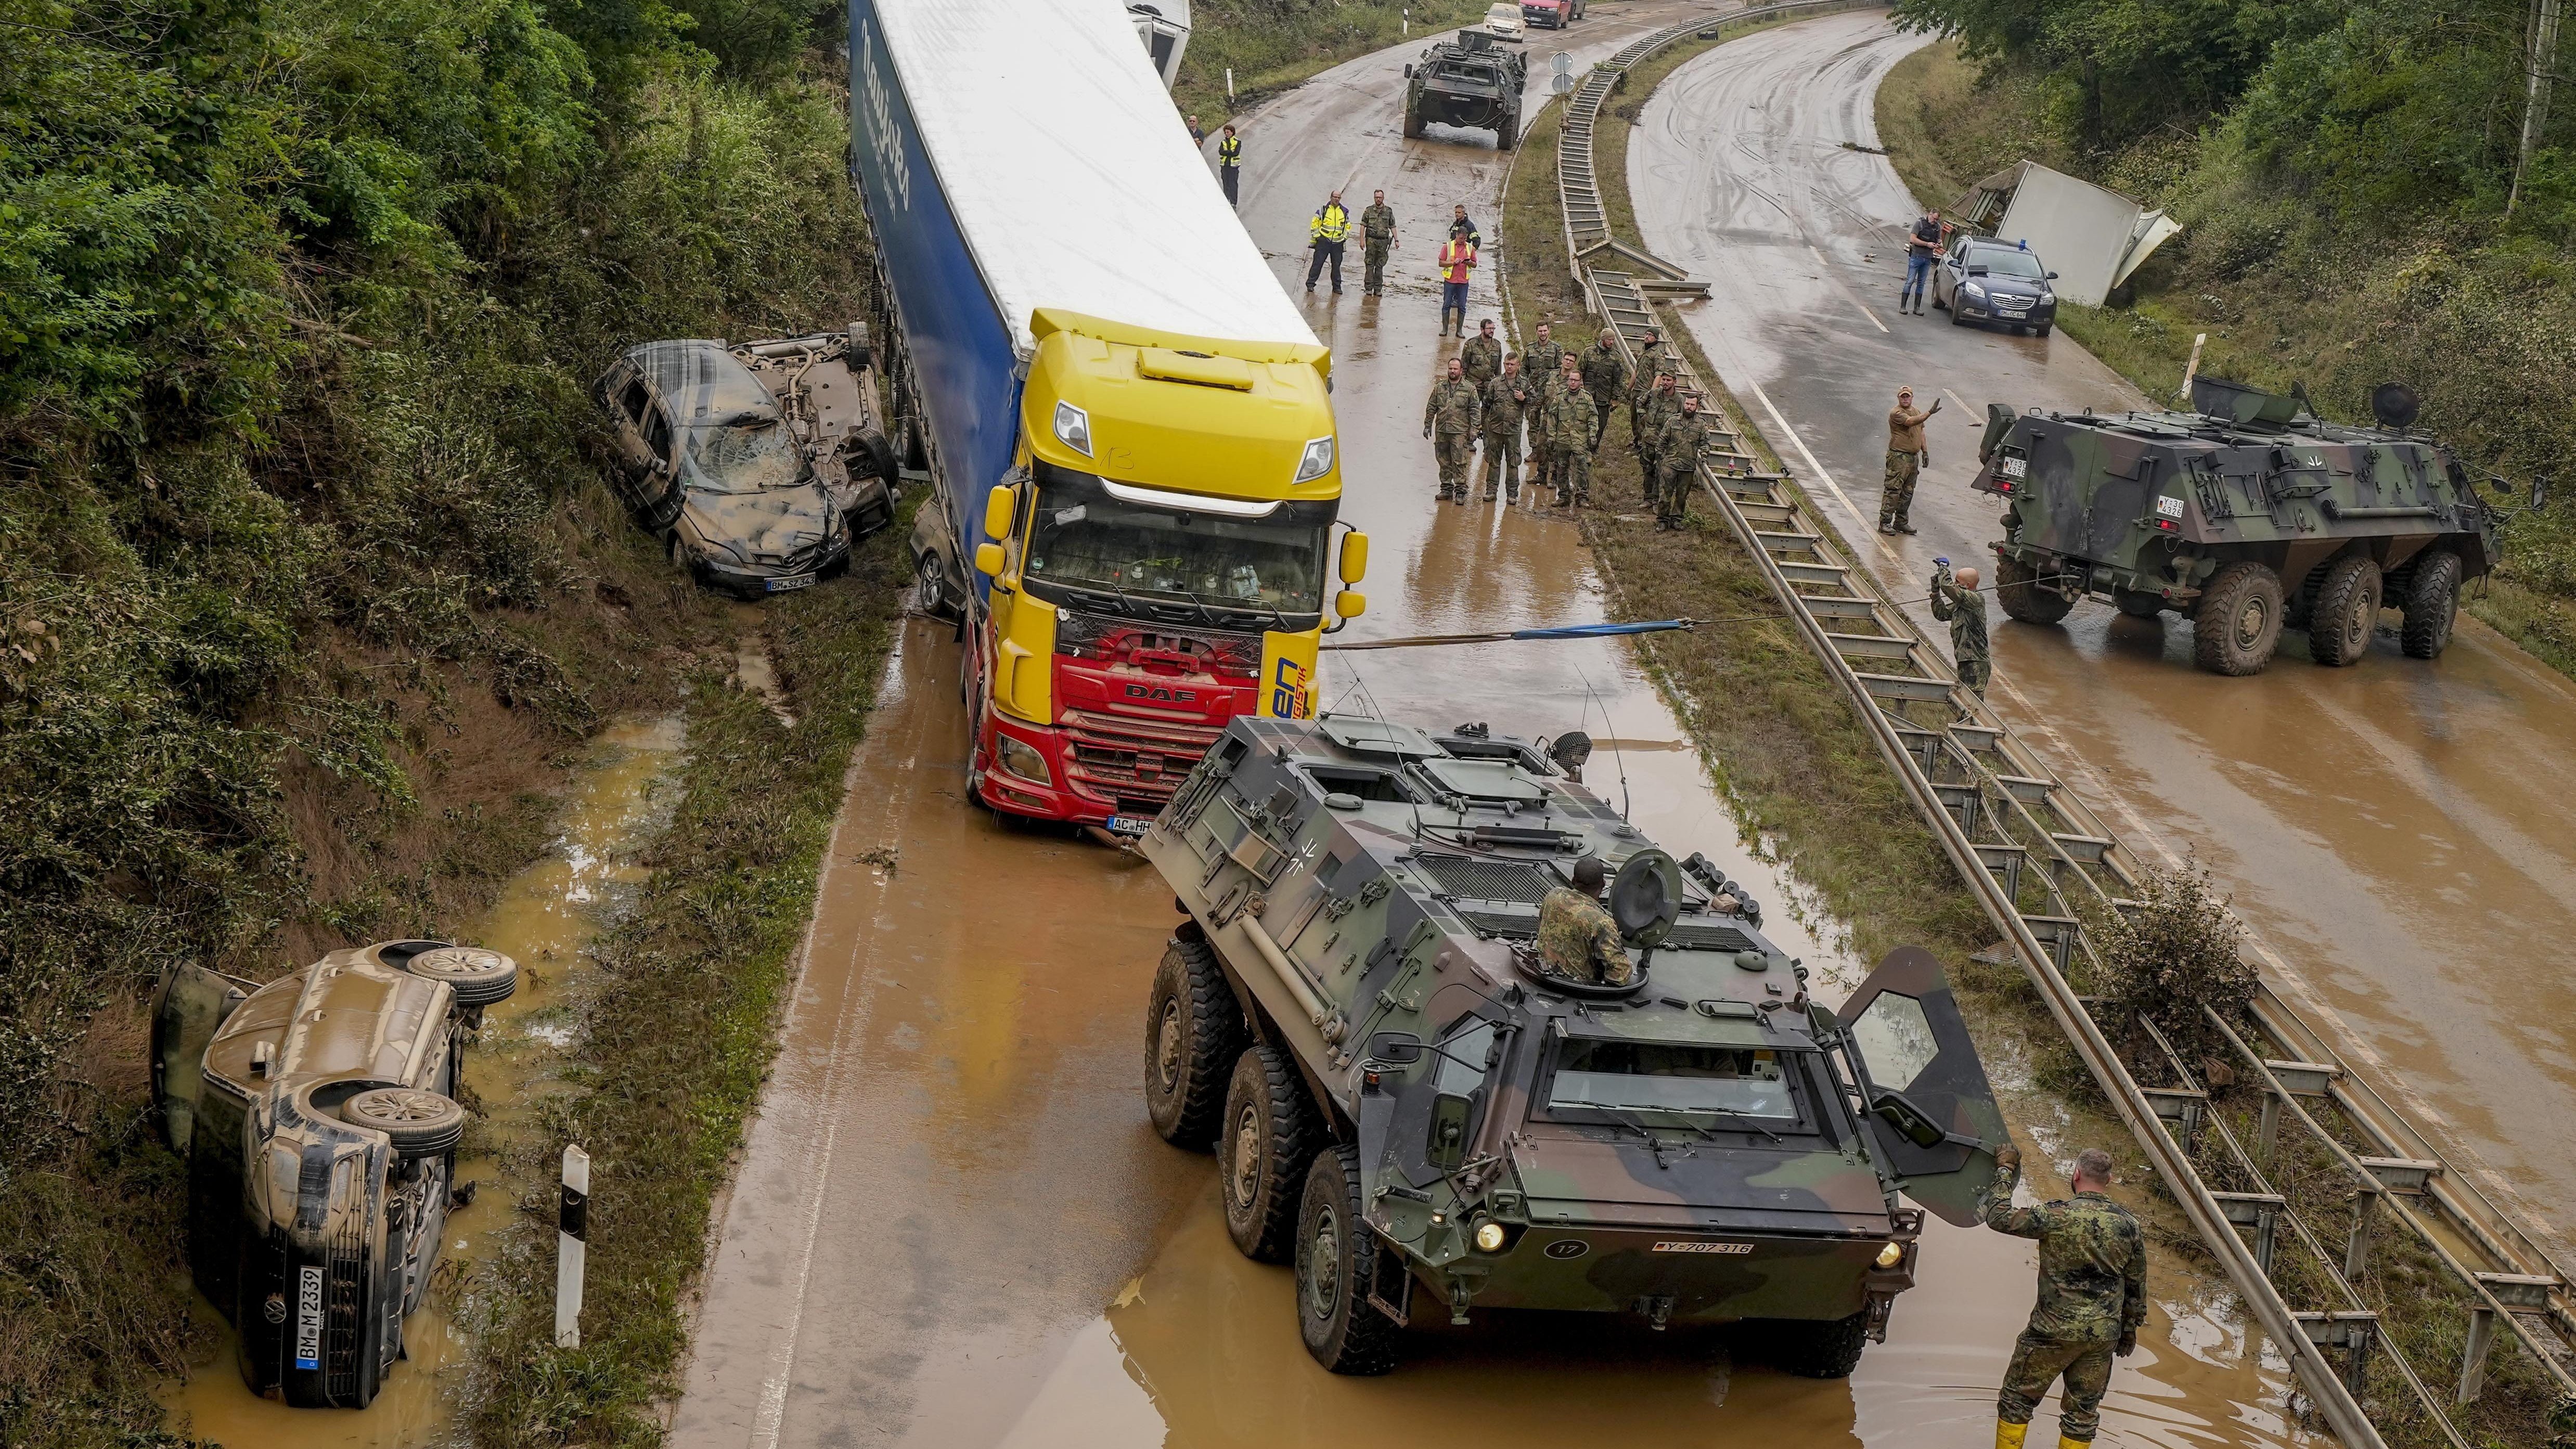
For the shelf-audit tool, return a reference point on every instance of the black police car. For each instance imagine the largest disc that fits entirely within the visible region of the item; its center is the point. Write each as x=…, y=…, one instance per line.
x=1981, y=279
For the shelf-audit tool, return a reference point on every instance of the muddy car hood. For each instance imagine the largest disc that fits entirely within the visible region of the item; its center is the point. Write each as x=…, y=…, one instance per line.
x=765, y=527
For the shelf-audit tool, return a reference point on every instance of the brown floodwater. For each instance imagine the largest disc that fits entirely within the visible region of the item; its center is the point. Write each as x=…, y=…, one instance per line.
x=545, y=917
x=953, y=1225
x=2396, y=832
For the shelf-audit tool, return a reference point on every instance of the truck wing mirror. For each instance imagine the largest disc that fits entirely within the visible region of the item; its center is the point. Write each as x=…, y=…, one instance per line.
x=1446, y=1145
x=988, y=560
x=1395, y=1048
x=1350, y=604
x=1355, y=548
x=998, y=506
x=1408, y=70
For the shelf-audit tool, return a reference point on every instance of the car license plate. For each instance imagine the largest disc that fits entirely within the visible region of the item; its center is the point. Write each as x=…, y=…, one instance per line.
x=1129, y=824
x=800, y=581
x=2015, y=467
x=2012, y=311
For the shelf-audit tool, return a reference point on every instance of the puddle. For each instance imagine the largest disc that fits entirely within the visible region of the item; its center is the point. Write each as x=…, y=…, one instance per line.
x=545, y=918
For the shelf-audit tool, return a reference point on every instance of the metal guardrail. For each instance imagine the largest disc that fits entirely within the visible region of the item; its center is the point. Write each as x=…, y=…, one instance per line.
x=2039, y=859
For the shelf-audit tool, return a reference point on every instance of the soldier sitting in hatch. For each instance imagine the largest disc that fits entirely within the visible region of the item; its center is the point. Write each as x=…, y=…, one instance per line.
x=1576, y=936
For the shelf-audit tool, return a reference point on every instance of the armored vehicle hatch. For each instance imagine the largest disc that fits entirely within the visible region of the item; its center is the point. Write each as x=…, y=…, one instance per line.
x=2247, y=515
x=1417, y=1106
x=1470, y=81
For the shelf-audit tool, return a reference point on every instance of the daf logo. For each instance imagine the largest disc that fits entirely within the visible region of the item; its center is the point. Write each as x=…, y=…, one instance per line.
x=1167, y=696
x=1568, y=1248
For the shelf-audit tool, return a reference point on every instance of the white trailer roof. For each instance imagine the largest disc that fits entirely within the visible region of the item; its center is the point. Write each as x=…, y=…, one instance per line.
x=1071, y=175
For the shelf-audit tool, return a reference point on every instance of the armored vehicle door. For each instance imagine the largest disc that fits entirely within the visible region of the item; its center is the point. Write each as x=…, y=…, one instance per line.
x=188, y=1006
x=1932, y=1110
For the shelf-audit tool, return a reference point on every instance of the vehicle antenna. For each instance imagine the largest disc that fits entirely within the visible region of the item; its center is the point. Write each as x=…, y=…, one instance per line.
x=1611, y=735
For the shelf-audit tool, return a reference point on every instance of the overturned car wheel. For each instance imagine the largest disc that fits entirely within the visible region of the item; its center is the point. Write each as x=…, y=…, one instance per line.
x=419, y=1124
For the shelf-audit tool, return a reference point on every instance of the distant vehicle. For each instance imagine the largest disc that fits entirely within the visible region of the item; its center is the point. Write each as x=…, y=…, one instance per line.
x=1503, y=21
x=1164, y=26
x=1423, y=1117
x=1470, y=81
x=759, y=464
x=1551, y=14
x=1984, y=280
x=317, y=1115
x=2246, y=515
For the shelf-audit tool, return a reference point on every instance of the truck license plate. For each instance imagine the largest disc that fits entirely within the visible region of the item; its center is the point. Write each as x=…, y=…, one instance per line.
x=2015, y=467
x=800, y=581
x=1129, y=824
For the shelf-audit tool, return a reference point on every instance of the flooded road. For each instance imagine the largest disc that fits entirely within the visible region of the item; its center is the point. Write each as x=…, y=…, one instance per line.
x=955, y=1226
x=545, y=917
x=2396, y=832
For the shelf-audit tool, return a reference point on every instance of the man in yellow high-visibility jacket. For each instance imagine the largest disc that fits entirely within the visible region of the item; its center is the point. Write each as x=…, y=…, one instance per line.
x=1326, y=231
x=1229, y=163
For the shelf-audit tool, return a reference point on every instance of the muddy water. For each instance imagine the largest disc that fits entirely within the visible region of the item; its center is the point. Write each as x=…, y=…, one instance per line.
x=544, y=918
x=2395, y=831
x=954, y=1226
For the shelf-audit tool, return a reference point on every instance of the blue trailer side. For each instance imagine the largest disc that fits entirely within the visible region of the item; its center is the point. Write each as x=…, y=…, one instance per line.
x=965, y=365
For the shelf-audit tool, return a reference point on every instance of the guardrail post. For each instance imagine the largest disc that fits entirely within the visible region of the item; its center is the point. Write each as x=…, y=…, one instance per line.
x=2356, y=1253
x=2473, y=1354
x=2267, y=1133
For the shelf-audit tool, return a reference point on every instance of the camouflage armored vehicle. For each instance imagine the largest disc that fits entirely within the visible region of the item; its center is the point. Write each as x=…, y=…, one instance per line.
x=1406, y=1103
x=2246, y=515
x=1470, y=81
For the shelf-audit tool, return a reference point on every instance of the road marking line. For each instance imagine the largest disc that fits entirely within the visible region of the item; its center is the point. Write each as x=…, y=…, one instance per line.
x=1835, y=488
x=1954, y=397
x=1872, y=316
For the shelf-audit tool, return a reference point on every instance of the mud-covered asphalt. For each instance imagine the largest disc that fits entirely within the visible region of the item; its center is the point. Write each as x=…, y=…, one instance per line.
x=2396, y=831
x=955, y=1227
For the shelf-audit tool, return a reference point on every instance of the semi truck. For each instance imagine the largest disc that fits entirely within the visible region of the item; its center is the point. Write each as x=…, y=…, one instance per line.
x=1128, y=426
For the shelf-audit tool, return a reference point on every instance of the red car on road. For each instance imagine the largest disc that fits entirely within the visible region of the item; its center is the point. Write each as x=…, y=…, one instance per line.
x=1553, y=14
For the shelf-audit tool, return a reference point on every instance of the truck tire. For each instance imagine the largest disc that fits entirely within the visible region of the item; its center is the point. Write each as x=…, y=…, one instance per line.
x=1193, y=1036
x=2017, y=587
x=2432, y=604
x=1268, y=1135
x=1507, y=131
x=1337, y=1260
x=418, y=1123
x=1412, y=119
x=2239, y=620
x=2300, y=604
x=1816, y=1349
x=2347, y=613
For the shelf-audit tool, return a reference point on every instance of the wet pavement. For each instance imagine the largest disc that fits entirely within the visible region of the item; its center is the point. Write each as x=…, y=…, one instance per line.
x=2396, y=832
x=545, y=917
x=954, y=1225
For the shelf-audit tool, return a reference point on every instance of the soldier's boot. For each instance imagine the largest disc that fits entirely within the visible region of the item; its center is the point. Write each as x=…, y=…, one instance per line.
x=2008, y=1435
x=2065, y=1443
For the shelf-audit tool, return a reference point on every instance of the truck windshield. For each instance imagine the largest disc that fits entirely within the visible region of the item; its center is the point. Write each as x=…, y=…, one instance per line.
x=1628, y=1076
x=1085, y=539
x=748, y=458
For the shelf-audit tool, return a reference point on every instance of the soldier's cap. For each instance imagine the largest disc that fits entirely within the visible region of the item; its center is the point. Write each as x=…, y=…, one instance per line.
x=1905, y=392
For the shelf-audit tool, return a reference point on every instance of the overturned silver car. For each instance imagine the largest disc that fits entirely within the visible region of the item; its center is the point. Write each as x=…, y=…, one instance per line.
x=759, y=463
x=319, y=1120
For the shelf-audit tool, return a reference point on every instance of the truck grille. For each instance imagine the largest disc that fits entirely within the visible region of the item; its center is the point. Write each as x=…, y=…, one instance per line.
x=1133, y=761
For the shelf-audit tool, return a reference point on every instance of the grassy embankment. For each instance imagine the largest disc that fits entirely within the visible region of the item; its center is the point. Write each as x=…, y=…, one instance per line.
x=1272, y=45
x=2478, y=319
x=314, y=588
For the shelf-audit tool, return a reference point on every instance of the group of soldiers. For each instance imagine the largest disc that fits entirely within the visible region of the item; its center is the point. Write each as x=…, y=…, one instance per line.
x=1566, y=400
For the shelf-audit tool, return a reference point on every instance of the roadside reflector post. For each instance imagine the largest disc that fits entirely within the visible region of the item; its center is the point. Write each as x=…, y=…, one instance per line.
x=1229, y=85
x=572, y=1238
x=2190, y=369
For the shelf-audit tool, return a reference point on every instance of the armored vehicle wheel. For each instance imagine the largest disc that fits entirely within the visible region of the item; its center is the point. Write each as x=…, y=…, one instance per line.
x=1337, y=1260
x=420, y=1124
x=2138, y=605
x=2432, y=603
x=1193, y=1034
x=2239, y=619
x=1507, y=130
x=2300, y=604
x=2347, y=612
x=1269, y=1132
x=1813, y=1349
x=2017, y=587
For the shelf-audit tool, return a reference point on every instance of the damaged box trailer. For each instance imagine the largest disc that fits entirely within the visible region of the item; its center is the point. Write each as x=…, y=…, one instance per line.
x=2093, y=238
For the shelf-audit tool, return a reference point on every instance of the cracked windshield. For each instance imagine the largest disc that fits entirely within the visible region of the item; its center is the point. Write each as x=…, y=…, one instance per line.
x=745, y=457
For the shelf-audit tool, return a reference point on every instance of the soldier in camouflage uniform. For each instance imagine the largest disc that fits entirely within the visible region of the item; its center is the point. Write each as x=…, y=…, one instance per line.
x=1377, y=238
x=1540, y=362
x=1507, y=402
x=2092, y=1295
x=1605, y=372
x=1450, y=419
x=1677, y=449
x=1906, y=457
x=1576, y=935
x=1569, y=439
x=1957, y=600
x=1482, y=356
x=1653, y=360
x=1648, y=417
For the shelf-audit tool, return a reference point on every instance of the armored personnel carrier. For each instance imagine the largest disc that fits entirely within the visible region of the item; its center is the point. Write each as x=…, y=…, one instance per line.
x=1410, y=1106
x=1469, y=81
x=2245, y=515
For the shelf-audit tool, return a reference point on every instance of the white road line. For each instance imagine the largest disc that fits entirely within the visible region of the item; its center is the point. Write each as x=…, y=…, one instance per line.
x=1835, y=488
x=1954, y=397
x=1872, y=316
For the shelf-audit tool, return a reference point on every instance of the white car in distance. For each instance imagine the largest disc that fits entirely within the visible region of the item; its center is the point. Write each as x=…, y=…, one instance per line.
x=1503, y=21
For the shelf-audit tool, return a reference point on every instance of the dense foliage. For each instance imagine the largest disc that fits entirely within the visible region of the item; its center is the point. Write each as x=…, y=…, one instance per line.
x=297, y=303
